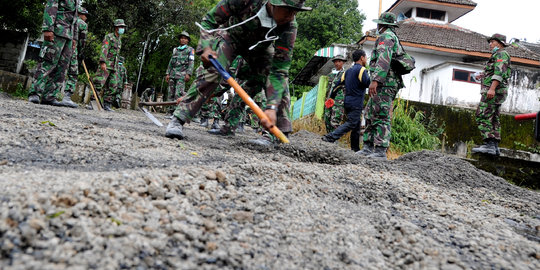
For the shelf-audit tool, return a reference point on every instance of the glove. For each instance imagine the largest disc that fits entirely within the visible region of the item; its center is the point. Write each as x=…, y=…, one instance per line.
x=329, y=103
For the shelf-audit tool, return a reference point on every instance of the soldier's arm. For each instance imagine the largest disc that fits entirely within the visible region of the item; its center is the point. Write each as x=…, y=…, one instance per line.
x=500, y=66
x=217, y=16
x=278, y=79
x=104, y=49
x=169, y=68
x=49, y=15
x=191, y=60
x=83, y=31
x=381, y=66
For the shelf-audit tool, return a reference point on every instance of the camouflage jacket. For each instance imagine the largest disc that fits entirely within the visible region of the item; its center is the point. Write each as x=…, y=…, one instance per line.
x=60, y=17
x=334, y=83
x=147, y=95
x=497, y=68
x=81, y=33
x=110, y=50
x=230, y=12
x=122, y=76
x=181, y=62
x=386, y=46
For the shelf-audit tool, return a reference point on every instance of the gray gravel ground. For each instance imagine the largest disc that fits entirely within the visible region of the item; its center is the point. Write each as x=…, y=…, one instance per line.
x=108, y=191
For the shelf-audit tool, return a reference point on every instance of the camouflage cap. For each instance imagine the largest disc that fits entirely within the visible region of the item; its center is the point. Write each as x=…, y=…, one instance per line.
x=339, y=57
x=119, y=22
x=387, y=18
x=184, y=34
x=294, y=4
x=82, y=10
x=498, y=37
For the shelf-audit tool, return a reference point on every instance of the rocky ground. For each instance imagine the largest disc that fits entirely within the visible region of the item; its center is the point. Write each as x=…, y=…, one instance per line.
x=85, y=189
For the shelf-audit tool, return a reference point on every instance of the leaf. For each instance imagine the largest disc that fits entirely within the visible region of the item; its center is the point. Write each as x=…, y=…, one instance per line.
x=49, y=122
x=116, y=221
x=194, y=153
x=57, y=214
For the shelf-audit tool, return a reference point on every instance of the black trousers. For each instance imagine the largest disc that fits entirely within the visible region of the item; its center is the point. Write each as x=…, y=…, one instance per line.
x=354, y=115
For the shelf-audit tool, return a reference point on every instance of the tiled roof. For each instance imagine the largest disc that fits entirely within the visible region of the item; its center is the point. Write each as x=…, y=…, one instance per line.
x=535, y=47
x=452, y=37
x=460, y=2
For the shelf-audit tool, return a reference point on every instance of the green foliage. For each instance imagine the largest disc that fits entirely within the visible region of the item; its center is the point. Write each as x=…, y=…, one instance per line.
x=24, y=15
x=524, y=147
x=409, y=131
x=30, y=64
x=20, y=92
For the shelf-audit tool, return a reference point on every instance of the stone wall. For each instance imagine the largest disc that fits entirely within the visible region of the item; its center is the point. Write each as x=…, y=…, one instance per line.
x=9, y=81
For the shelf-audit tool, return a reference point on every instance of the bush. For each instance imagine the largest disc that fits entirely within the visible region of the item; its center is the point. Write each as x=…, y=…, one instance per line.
x=411, y=131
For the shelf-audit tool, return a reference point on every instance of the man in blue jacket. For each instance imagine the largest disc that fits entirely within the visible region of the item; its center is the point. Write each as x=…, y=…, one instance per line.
x=356, y=81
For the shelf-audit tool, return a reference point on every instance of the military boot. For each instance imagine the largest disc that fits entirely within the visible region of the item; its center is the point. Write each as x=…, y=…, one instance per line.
x=489, y=147
x=379, y=153
x=367, y=149
x=34, y=99
x=107, y=106
x=215, y=124
x=240, y=127
x=174, y=129
x=225, y=130
x=204, y=122
x=52, y=102
x=328, y=138
x=68, y=102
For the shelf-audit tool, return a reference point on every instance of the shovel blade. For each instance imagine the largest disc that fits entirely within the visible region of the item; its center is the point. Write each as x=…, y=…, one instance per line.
x=151, y=117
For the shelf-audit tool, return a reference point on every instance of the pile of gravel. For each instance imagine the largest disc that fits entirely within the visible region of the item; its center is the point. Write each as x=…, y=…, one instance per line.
x=84, y=189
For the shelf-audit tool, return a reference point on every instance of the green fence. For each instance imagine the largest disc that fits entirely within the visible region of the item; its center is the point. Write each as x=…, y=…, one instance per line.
x=311, y=102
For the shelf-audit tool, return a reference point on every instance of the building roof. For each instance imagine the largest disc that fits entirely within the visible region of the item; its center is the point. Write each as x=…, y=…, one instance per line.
x=450, y=37
x=535, y=47
x=457, y=2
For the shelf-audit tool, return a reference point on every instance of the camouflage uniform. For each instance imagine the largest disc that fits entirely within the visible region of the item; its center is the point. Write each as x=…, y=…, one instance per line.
x=180, y=65
x=59, y=17
x=334, y=116
x=487, y=114
x=148, y=95
x=121, y=79
x=73, y=70
x=377, y=130
x=269, y=61
x=107, y=80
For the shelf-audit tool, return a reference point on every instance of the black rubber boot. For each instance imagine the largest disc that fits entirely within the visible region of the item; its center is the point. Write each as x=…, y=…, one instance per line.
x=240, y=128
x=378, y=153
x=174, y=129
x=489, y=147
x=107, y=107
x=204, y=122
x=67, y=102
x=34, y=99
x=223, y=131
x=367, y=149
x=53, y=102
x=215, y=124
x=328, y=138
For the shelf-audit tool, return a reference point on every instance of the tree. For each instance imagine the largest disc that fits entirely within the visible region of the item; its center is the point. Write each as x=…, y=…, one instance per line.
x=330, y=21
x=22, y=15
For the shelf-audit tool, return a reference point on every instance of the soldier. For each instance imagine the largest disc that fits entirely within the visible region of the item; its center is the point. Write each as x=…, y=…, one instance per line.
x=263, y=33
x=494, y=89
x=148, y=94
x=180, y=68
x=334, y=110
x=59, y=26
x=106, y=78
x=122, y=79
x=73, y=71
x=356, y=80
x=385, y=84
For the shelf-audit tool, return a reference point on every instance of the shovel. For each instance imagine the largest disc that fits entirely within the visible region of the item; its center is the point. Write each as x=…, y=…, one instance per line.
x=149, y=115
x=247, y=99
x=92, y=87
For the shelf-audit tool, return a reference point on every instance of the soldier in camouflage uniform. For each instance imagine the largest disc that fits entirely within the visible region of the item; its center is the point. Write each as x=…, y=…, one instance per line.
x=148, y=94
x=180, y=68
x=73, y=71
x=493, y=92
x=106, y=78
x=263, y=33
x=334, y=111
x=385, y=84
x=59, y=26
x=122, y=79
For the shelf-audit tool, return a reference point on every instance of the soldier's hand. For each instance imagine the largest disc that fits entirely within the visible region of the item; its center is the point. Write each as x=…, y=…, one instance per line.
x=373, y=88
x=179, y=100
x=205, y=57
x=48, y=36
x=103, y=66
x=271, y=121
x=491, y=93
x=187, y=77
x=167, y=77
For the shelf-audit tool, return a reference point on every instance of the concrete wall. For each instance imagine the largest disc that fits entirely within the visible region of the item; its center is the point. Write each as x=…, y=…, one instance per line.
x=12, y=46
x=9, y=81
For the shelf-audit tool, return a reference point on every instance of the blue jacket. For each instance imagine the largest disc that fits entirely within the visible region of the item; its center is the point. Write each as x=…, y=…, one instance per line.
x=356, y=81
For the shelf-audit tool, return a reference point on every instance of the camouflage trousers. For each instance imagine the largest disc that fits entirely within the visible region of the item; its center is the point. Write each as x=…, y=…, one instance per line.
x=488, y=116
x=378, y=120
x=177, y=88
x=259, y=62
x=73, y=73
x=52, y=67
x=108, y=82
x=211, y=109
x=335, y=115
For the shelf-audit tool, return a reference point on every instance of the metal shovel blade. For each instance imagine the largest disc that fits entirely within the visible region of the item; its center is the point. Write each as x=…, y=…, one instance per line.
x=151, y=117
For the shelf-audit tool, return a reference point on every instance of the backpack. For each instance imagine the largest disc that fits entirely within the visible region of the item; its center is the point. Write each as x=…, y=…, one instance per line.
x=402, y=63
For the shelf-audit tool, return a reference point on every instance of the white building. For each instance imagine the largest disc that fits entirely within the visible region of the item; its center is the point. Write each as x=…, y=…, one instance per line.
x=446, y=57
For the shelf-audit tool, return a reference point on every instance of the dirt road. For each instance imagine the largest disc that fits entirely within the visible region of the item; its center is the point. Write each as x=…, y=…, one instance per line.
x=85, y=189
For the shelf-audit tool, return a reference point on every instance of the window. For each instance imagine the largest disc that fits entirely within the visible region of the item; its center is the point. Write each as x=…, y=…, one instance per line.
x=430, y=14
x=463, y=76
x=408, y=14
